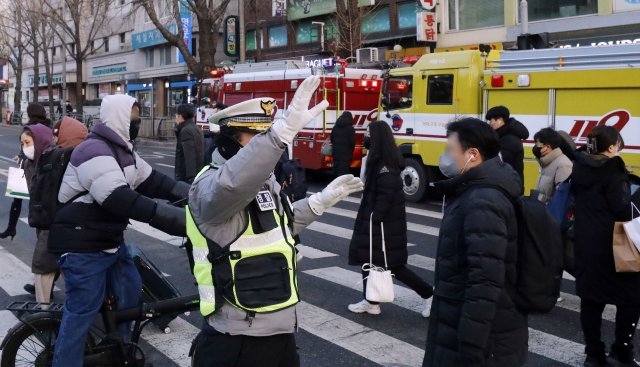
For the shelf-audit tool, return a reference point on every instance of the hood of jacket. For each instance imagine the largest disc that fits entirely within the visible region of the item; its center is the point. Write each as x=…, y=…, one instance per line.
x=42, y=138
x=71, y=132
x=115, y=114
x=552, y=156
x=515, y=128
x=493, y=172
x=345, y=120
x=589, y=169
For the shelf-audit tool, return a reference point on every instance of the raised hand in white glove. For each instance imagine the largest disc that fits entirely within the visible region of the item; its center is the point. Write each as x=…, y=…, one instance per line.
x=337, y=190
x=298, y=114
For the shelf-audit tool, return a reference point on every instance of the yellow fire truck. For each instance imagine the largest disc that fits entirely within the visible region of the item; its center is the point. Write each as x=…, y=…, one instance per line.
x=566, y=89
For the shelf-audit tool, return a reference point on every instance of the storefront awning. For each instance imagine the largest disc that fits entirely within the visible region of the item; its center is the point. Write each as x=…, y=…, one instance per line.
x=135, y=87
x=186, y=84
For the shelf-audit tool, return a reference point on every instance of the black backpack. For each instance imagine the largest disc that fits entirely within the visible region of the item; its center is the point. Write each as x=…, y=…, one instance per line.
x=540, y=260
x=45, y=185
x=291, y=176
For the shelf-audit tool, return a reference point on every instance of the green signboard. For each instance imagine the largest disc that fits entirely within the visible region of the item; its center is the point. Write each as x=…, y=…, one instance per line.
x=299, y=9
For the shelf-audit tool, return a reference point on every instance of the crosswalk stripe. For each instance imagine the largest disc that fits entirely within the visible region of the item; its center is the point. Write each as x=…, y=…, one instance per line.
x=335, y=231
x=541, y=343
x=176, y=344
x=146, y=229
x=14, y=275
x=356, y=338
x=313, y=253
x=7, y=321
x=432, y=231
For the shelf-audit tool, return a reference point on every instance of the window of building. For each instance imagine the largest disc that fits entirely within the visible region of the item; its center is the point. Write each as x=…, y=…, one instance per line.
x=440, y=89
x=550, y=9
x=331, y=31
x=278, y=36
x=407, y=15
x=307, y=33
x=123, y=38
x=93, y=45
x=150, y=56
x=53, y=51
x=165, y=55
x=376, y=21
x=250, y=40
x=106, y=44
x=472, y=14
x=194, y=46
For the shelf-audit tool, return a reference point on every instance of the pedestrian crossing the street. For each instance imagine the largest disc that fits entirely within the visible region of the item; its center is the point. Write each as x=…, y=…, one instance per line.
x=327, y=285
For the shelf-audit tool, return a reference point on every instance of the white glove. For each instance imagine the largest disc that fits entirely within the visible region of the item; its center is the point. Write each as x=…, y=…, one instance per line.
x=337, y=190
x=298, y=114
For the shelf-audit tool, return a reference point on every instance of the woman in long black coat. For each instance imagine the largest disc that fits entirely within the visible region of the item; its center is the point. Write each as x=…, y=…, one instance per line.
x=602, y=197
x=343, y=140
x=383, y=196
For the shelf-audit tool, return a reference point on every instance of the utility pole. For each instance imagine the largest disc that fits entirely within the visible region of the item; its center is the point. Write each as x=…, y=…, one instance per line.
x=242, y=30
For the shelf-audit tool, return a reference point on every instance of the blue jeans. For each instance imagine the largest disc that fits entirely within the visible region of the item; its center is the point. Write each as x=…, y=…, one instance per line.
x=88, y=278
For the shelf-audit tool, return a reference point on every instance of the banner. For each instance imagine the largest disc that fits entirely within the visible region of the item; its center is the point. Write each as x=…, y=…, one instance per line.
x=299, y=9
x=428, y=4
x=427, y=26
x=279, y=8
x=185, y=19
x=231, y=33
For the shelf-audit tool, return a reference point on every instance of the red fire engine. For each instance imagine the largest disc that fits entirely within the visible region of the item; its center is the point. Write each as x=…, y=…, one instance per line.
x=347, y=89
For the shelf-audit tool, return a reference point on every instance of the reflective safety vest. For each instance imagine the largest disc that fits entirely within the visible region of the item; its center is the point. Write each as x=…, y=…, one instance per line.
x=256, y=272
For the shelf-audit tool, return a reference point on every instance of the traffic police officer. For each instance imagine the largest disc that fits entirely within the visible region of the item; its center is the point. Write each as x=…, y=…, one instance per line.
x=242, y=228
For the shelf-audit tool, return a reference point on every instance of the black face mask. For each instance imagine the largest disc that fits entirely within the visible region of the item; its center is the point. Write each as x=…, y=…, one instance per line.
x=227, y=146
x=536, y=151
x=366, y=142
x=134, y=128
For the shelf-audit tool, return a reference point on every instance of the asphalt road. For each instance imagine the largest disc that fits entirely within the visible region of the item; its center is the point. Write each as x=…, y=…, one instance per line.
x=329, y=334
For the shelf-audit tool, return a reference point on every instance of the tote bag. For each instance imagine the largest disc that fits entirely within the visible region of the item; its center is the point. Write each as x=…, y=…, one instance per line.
x=380, y=280
x=17, y=184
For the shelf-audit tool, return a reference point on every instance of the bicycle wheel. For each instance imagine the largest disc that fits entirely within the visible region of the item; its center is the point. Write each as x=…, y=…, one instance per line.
x=32, y=342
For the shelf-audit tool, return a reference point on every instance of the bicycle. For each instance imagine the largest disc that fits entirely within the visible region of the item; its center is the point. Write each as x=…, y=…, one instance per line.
x=31, y=342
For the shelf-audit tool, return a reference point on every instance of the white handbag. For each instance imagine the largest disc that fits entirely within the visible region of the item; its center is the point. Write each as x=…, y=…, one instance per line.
x=380, y=280
x=17, y=184
x=632, y=228
x=327, y=148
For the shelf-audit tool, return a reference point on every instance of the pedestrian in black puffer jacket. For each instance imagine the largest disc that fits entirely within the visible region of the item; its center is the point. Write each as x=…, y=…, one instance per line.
x=511, y=132
x=602, y=195
x=383, y=196
x=474, y=322
x=343, y=139
x=190, y=145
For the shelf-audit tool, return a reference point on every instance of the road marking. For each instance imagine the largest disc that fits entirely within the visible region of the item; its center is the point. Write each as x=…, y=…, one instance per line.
x=176, y=344
x=336, y=231
x=313, y=253
x=361, y=340
x=4, y=172
x=8, y=159
x=7, y=321
x=414, y=227
x=14, y=275
x=165, y=165
x=541, y=343
x=146, y=229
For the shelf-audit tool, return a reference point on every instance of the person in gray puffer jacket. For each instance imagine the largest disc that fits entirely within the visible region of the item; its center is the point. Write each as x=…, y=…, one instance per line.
x=105, y=184
x=555, y=167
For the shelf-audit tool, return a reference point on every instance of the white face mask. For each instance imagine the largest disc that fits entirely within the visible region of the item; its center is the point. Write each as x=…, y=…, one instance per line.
x=29, y=152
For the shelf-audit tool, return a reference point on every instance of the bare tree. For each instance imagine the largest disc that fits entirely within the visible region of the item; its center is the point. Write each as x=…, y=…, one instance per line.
x=209, y=16
x=78, y=23
x=32, y=18
x=13, y=43
x=348, y=17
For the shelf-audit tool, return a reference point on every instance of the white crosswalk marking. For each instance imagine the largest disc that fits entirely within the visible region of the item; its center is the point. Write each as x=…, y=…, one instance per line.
x=313, y=253
x=373, y=345
x=14, y=275
x=547, y=345
x=336, y=231
x=432, y=231
x=176, y=344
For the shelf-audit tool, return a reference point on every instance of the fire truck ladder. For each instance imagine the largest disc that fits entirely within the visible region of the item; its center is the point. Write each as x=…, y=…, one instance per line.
x=579, y=58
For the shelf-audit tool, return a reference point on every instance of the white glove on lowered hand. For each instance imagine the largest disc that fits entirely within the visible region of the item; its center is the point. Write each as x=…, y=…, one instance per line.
x=298, y=114
x=337, y=190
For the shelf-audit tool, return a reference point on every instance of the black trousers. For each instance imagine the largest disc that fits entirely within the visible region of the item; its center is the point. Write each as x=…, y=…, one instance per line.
x=406, y=276
x=214, y=349
x=591, y=319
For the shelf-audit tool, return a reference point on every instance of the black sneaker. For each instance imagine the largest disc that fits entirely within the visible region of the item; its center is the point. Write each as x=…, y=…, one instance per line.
x=617, y=359
x=30, y=288
x=593, y=361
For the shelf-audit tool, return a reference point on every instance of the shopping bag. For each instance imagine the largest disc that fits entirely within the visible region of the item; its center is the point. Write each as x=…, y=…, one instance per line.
x=327, y=148
x=17, y=184
x=380, y=280
x=632, y=228
x=625, y=253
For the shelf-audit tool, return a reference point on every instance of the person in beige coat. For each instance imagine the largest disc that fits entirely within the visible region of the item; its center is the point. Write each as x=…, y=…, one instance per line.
x=555, y=167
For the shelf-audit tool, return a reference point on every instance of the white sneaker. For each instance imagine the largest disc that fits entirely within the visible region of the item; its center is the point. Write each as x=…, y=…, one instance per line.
x=364, y=306
x=560, y=299
x=427, y=308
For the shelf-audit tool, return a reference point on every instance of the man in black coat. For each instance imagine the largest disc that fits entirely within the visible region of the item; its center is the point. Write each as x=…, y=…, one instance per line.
x=343, y=139
x=473, y=320
x=511, y=132
x=190, y=145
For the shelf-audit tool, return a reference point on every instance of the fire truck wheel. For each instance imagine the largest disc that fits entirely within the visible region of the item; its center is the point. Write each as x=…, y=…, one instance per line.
x=414, y=180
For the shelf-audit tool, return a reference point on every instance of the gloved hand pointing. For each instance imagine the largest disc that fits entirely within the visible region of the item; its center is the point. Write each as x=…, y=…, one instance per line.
x=298, y=114
x=337, y=190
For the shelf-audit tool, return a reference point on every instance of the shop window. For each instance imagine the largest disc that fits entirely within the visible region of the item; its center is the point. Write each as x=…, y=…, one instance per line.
x=407, y=15
x=472, y=14
x=440, y=89
x=307, y=33
x=250, y=40
x=376, y=21
x=278, y=36
x=551, y=9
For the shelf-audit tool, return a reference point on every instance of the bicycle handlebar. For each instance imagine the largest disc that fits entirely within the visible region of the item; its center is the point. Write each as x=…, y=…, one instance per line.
x=149, y=310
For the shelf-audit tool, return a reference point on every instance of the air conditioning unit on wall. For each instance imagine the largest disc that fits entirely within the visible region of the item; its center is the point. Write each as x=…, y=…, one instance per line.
x=367, y=54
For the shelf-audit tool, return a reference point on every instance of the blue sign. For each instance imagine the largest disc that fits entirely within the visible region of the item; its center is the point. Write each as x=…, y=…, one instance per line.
x=120, y=68
x=152, y=37
x=185, y=18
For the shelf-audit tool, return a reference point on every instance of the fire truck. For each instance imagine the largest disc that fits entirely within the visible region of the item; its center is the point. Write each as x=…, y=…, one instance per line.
x=567, y=89
x=352, y=89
